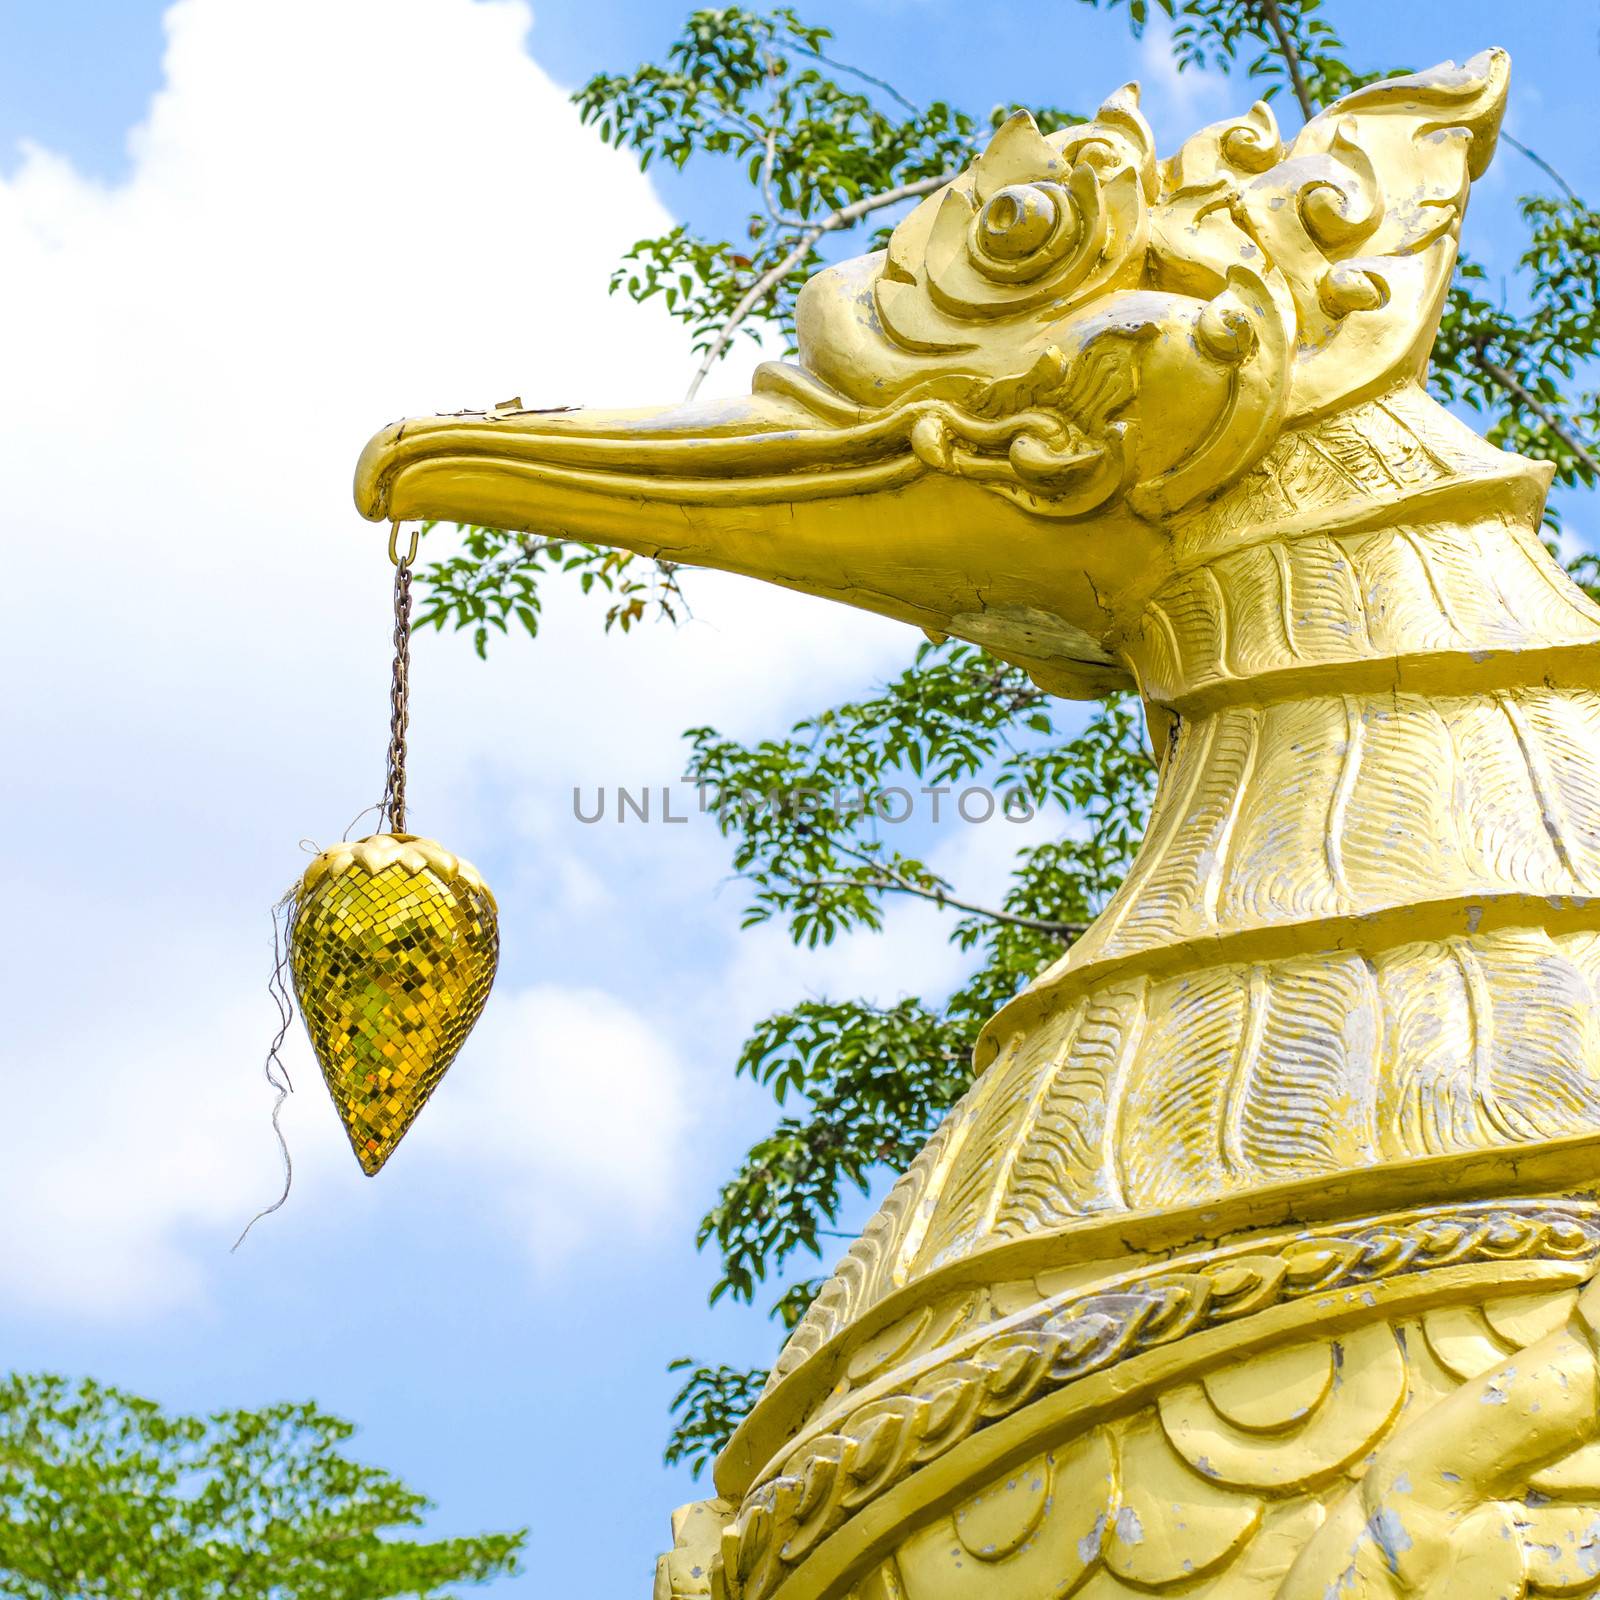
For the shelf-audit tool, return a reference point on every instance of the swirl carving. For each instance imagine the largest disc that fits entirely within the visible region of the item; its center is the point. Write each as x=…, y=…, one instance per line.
x=1039, y=224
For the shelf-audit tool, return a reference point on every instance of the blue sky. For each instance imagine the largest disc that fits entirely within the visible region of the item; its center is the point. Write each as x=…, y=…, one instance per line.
x=204, y=324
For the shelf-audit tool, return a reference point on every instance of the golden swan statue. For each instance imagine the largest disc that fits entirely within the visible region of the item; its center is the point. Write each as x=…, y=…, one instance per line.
x=1254, y=1264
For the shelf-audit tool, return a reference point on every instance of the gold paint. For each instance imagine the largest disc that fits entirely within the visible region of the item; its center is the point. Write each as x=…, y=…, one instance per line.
x=1274, y=1391
x=1372, y=1384
x=1461, y=1340
x=1171, y=1526
x=1525, y=1319
x=1267, y=1219
x=1042, y=1526
x=393, y=949
x=1562, y=1545
x=685, y=1573
x=994, y=1523
x=1574, y=1477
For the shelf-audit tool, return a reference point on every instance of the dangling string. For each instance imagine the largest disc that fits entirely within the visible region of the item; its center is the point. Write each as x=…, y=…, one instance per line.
x=277, y=1073
x=393, y=808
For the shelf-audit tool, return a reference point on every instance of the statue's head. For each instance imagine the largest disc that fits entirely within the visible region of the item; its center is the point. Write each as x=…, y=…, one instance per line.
x=994, y=424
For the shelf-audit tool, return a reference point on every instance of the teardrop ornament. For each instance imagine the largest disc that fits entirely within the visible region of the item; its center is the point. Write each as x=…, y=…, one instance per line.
x=393, y=951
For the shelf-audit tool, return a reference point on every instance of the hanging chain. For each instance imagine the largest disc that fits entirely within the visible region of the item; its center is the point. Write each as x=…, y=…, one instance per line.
x=394, y=786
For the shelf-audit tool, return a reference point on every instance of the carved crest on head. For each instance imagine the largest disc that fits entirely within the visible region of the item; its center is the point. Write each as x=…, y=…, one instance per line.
x=1035, y=222
x=1077, y=321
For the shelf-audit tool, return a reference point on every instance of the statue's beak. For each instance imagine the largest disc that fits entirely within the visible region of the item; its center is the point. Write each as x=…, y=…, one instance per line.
x=793, y=484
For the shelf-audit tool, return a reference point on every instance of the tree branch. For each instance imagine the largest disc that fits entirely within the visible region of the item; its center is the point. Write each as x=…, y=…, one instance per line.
x=774, y=210
x=891, y=882
x=1525, y=396
x=844, y=217
x=1290, y=55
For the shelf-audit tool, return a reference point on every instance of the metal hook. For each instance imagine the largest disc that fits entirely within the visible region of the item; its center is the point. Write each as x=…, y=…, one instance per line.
x=394, y=546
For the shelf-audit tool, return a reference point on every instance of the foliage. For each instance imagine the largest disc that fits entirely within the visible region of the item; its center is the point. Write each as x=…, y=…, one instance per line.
x=710, y=1404
x=1585, y=571
x=1290, y=44
x=831, y=150
x=105, y=1494
x=870, y=1084
x=819, y=859
x=493, y=581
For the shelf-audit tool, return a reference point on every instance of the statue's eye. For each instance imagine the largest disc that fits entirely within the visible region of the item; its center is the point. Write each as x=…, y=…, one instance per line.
x=994, y=252
x=1018, y=220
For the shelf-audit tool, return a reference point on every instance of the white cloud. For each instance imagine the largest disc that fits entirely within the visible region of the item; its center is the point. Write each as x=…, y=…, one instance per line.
x=137, y=1138
x=339, y=211
x=579, y=1104
x=912, y=956
x=124, y=1145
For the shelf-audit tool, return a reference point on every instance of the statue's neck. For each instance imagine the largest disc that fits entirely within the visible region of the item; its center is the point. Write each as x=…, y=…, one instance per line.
x=1373, y=693
x=1385, y=548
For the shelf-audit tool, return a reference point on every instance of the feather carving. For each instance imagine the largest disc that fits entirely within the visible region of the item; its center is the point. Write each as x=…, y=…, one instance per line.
x=1278, y=865
x=1395, y=833
x=1176, y=1105
x=1561, y=734
x=998, y=1121
x=1066, y=1167
x=1425, y=1084
x=1308, y=1100
x=1498, y=813
x=1540, y=1037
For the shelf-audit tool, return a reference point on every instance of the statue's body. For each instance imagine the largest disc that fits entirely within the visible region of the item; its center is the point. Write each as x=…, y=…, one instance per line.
x=1254, y=1263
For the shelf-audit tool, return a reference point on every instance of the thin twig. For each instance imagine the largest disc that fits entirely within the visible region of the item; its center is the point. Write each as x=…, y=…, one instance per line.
x=890, y=882
x=866, y=77
x=844, y=217
x=1514, y=386
x=1290, y=55
x=940, y=897
x=1539, y=161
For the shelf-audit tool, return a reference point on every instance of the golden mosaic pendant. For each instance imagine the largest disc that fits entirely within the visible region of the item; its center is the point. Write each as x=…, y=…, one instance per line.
x=393, y=949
